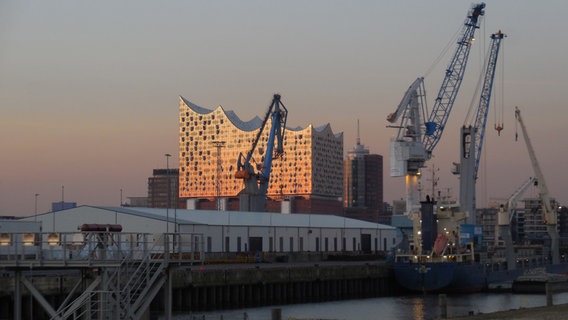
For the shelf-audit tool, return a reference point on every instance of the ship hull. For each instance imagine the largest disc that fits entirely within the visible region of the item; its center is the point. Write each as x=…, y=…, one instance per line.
x=425, y=277
x=460, y=277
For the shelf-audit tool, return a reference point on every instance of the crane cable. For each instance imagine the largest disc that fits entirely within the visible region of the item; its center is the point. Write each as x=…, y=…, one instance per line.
x=483, y=196
x=500, y=107
x=443, y=53
x=470, y=117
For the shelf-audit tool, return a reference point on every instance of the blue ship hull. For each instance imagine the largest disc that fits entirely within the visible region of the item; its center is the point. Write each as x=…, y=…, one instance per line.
x=428, y=276
x=444, y=257
x=458, y=277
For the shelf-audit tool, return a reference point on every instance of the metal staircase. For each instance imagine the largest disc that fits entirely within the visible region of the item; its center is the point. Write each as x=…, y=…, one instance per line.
x=146, y=279
x=124, y=291
x=117, y=274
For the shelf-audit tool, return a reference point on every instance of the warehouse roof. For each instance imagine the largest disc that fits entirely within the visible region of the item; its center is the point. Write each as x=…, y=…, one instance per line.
x=213, y=217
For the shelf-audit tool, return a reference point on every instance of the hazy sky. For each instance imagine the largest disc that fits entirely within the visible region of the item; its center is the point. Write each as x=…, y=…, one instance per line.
x=89, y=89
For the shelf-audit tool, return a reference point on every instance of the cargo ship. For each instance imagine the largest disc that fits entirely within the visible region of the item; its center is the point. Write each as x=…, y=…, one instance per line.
x=443, y=256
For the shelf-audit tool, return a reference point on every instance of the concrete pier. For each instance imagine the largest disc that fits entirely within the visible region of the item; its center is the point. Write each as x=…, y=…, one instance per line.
x=216, y=287
x=128, y=275
x=203, y=288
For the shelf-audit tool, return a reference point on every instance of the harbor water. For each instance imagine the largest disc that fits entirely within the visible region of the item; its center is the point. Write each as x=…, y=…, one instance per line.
x=409, y=307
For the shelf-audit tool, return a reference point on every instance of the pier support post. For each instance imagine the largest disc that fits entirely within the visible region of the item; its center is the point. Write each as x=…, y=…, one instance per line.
x=443, y=303
x=276, y=314
x=168, y=295
x=18, y=296
x=548, y=288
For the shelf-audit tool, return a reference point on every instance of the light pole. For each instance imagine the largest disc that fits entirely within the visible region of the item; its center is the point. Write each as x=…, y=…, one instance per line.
x=175, y=206
x=62, y=205
x=35, y=206
x=168, y=182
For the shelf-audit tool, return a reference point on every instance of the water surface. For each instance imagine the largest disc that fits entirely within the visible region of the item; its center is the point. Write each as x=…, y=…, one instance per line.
x=414, y=307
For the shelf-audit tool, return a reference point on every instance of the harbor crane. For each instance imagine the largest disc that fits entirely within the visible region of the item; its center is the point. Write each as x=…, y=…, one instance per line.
x=549, y=213
x=472, y=135
x=504, y=219
x=256, y=177
x=418, y=131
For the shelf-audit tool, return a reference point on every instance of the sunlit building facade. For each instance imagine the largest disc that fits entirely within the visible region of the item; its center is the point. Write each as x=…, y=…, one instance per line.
x=210, y=142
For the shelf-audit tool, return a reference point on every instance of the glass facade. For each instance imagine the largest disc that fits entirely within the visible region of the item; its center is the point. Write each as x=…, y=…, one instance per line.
x=210, y=142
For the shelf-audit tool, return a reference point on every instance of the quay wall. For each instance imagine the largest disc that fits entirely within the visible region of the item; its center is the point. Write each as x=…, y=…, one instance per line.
x=217, y=287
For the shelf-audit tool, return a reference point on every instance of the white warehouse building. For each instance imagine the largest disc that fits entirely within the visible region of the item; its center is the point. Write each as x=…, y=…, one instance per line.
x=233, y=231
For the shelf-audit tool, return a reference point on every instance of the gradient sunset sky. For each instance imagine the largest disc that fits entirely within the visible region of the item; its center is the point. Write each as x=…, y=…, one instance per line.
x=89, y=89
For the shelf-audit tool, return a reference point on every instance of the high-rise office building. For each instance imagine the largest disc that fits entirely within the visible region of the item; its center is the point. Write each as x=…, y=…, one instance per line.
x=210, y=142
x=363, y=189
x=163, y=188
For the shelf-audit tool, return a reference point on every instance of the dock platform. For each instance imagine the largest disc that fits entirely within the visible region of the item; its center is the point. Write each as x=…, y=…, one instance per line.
x=118, y=274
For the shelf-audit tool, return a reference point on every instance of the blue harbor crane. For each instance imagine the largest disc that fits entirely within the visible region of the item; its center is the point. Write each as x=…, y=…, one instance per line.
x=473, y=134
x=257, y=176
x=420, y=131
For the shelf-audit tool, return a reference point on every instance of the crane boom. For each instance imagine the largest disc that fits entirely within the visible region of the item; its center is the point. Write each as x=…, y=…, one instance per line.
x=274, y=148
x=472, y=136
x=452, y=81
x=485, y=98
x=253, y=196
x=415, y=90
x=548, y=213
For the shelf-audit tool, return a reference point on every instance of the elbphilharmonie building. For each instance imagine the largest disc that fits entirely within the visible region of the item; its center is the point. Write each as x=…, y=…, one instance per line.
x=210, y=142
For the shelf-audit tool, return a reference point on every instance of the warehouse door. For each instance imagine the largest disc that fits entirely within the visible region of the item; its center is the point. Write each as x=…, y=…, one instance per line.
x=366, y=242
x=255, y=244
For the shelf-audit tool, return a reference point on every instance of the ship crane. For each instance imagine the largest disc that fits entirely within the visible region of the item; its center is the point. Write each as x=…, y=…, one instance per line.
x=256, y=177
x=504, y=219
x=418, y=135
x=549, y=214
x=472, y=135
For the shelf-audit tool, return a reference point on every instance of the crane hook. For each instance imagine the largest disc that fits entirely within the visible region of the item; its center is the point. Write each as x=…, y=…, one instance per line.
x=499, y=128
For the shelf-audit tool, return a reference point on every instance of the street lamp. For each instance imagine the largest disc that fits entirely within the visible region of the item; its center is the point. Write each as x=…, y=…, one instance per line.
x=35, y=206
x=168, y=181
x=62, y=205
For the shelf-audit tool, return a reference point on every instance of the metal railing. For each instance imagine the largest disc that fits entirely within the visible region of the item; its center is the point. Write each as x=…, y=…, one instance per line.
x=131, y=266
x=97, y=248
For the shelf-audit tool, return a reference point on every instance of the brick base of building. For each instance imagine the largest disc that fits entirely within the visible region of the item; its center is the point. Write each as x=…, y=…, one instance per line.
x=296, y=205
x=303, y=205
